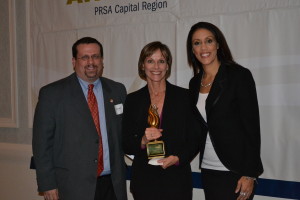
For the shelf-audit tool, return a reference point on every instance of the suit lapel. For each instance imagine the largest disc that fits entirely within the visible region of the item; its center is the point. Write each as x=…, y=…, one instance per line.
x=217, y=89
x=142, y=112
x=78, y=99
x=108, y=104
x=168, y=107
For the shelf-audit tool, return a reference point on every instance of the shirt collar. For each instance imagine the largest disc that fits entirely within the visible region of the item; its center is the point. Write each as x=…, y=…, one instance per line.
x=86, y=84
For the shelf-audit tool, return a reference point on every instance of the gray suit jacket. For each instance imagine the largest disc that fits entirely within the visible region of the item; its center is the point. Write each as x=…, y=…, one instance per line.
x=65, y=141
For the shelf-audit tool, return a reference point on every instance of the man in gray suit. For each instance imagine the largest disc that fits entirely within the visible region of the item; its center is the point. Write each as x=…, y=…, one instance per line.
x=66, y=142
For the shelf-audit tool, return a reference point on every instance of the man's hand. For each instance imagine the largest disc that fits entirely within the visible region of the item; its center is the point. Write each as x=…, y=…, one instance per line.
x=51, y=194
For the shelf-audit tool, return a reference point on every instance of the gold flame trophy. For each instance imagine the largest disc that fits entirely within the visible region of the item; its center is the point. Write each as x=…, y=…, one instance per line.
x=156, y=148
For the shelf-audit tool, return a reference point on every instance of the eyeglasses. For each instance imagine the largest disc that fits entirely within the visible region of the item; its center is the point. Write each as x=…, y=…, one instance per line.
x=93, y=57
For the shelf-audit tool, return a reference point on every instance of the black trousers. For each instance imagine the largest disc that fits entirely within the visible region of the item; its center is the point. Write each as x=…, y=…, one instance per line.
x=220, y=185
x=105, y=189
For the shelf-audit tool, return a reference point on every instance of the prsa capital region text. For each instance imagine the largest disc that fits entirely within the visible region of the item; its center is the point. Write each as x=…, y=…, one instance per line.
x=123, y=9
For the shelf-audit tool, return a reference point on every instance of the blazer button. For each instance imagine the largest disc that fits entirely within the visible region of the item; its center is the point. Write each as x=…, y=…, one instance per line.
x=95, y=161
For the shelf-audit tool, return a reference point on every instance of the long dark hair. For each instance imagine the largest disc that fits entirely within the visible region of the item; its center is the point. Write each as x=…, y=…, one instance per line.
x=223, y=53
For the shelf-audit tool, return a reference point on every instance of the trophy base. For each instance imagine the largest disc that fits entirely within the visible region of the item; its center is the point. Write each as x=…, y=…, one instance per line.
x=156, y=149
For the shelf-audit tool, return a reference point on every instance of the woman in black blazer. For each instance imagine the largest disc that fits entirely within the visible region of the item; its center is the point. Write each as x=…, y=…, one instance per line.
x=225, y=95
x=172, y=179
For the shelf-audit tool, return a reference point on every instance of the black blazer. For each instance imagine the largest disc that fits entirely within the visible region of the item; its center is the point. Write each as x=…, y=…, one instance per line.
x=232, y=119
x=180, y=138
x=65, y=140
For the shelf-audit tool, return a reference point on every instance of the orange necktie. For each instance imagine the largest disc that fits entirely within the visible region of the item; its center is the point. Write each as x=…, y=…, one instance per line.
x=93, y=105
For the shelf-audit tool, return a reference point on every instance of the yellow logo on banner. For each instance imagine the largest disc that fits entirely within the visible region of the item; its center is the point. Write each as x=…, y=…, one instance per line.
x=78, y=1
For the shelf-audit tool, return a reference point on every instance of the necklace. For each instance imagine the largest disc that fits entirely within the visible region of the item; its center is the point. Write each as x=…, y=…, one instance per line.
x=206, y=85
x=156, y=97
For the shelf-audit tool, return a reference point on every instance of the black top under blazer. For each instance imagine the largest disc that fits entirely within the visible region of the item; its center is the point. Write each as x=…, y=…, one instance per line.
x=180, y=138
x=232, y=119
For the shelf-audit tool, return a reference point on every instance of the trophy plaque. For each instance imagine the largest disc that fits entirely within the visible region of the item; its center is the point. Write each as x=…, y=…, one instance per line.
x=156, y=148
